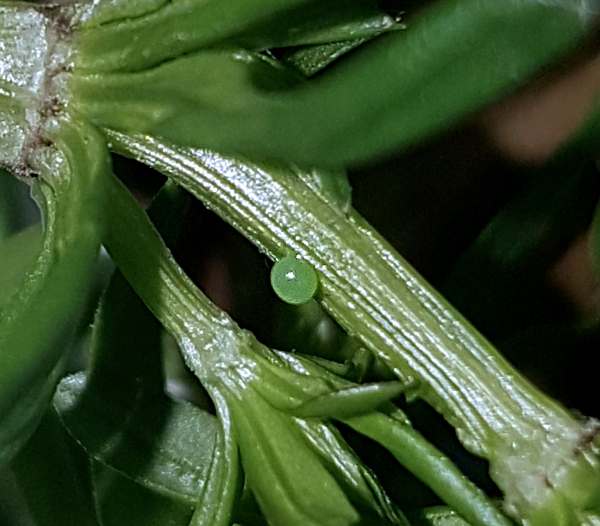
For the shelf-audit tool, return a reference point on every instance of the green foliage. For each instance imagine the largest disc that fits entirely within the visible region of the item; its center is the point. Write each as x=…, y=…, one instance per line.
x=53, y=288
x=255, y=107
x=406, y=87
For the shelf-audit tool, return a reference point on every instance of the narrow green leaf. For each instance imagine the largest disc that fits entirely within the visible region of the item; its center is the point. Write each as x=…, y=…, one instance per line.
x=353, y=475
x=349, y=401
x=287, y=478
x=347, y=23
x=391, y=428
x=429, y=465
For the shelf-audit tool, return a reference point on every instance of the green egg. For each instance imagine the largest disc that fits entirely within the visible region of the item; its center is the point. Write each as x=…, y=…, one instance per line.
x=294, y=280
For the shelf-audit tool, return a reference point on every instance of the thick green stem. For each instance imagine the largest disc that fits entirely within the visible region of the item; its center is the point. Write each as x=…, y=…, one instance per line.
x=377, y=297
x=277, y=389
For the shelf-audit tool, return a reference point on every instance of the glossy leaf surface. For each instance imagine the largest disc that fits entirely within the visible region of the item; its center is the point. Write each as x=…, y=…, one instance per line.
x=403, y=88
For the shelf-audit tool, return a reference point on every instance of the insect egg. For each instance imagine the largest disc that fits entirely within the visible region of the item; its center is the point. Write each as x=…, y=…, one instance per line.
x=294, y=280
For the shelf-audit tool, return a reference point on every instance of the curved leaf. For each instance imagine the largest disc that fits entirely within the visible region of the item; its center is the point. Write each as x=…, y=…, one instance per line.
x=39, y=318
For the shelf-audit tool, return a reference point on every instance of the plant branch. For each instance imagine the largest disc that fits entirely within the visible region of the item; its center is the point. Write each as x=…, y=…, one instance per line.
x=533, y=444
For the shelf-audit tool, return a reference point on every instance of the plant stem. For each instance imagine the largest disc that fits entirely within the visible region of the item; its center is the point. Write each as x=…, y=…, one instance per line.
x=166, y=290
x=530, y=440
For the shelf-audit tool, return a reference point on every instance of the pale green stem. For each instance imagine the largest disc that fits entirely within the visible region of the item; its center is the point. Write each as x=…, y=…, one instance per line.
x=168, y=292
x=384, y=303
